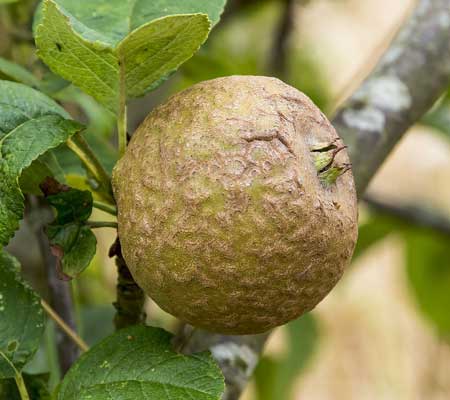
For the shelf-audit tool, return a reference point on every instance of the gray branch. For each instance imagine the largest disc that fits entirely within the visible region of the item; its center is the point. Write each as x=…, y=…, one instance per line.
x=411, y=214
x=411, y=76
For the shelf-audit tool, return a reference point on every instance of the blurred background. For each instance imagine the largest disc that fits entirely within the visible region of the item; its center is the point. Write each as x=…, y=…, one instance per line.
x=384, y=332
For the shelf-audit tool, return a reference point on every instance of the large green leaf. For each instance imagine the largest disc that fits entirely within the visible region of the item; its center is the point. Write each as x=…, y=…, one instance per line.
x=109, y=49
x=21, y=319
x=428, y=267
x=14, y=72
x=138, y=363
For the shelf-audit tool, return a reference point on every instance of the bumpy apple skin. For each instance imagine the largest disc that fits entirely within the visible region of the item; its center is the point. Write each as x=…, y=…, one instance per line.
x=222, y=218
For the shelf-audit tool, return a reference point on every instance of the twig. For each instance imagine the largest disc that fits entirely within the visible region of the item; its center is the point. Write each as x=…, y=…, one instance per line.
x=130, y=297
x=105, y=207
x=20, y=383
x=410, y=78
x=101, y=224
x=411, y=214
x=21, y=387
x=81, y=148
x=64, y=327
x=60, y=295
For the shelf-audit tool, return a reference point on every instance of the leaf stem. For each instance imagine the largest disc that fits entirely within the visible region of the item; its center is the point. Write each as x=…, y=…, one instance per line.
x=18, y=378
x=81, y=148
x=122, y=114
x=105, y=207
x=21, y=387
x=67, y=330
x=101, y=224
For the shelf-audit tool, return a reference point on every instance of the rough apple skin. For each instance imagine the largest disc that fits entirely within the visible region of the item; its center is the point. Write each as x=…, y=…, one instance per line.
x=223, y=220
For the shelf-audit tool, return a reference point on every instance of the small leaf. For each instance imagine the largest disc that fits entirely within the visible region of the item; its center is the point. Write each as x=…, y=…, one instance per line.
x=137, y=363
x=108, y=48
x=15, y=72
x=21, y=318
x=428, y=268
x=32, y=176
x=72, y=242
x=74, y=245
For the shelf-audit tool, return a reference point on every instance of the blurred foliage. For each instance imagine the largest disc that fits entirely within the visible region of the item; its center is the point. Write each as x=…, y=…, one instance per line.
x=427, y=263
x=36, y=386
x=275, y=377
x=242, y=45
x=428, y=268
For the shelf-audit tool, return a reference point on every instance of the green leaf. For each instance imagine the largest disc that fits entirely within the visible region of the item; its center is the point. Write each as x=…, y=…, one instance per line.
x=71, y=241
x=74, y=245
x=18, y=149
x=14, y=72
x=110, y=21
x=21, y=319
x=428, y=268
x=43, y=167
x=275, y=378
x=30, y=125
x=108, y=49
x=137, y=363
x=72, y=205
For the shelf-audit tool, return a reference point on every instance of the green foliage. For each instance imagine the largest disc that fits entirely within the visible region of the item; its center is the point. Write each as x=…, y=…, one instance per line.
x=36, y=386
x=275, y=378
x=139, y=360
x=242, y=46
x=25, y=115
x=21, y=319
x=109, y=51
x=427, y=264
x=15, y=72
x=71, y=240
x=428, y=267
x=376, y=228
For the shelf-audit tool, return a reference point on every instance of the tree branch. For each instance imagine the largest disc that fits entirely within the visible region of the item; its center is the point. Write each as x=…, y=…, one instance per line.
x=60, y=294
x=410, y=77
x=130, y=297
x=411, y=214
